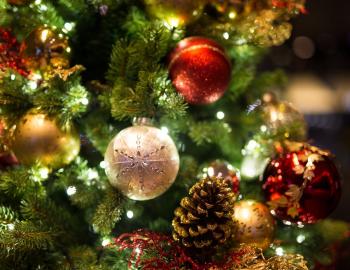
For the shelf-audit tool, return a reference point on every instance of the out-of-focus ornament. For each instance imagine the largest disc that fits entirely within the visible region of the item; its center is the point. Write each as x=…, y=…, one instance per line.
x=255, y=159
x=302, y=185
x=38, y=138
x=204, y=218
x=223, y=170
x=46, y=49
x=266, y=28
x=200, y=70
x=142, y=161
x=254, y=224
x=175, y=13
x=281, y=118
x=10, y=57
x=7, y=158
x=19, y=2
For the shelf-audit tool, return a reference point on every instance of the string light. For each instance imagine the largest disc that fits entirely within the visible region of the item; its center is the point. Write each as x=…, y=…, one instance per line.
x=10, y=227
x=103, y=164
x=130, y=214
x=300, y=238
x=105, y=242
x=71, y=190
x=220, y=115
x=279, y=251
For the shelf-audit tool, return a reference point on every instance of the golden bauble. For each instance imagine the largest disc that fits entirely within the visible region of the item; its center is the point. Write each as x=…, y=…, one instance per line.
x=142, y=162
x=281, y=117
x=254, y=224
x=38, y=139
x=175, y=12
x=46, y=49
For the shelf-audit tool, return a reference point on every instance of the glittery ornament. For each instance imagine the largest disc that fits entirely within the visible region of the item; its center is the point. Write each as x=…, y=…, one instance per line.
x=38, y=138
x=142, y=162
x=10, y=57
x=281, y=118
x=266, y=28
x=46, y=49
x=19, y=2
x=175, y=12
x=223, y=170
x=254, y=224
x=200, y=70
x=302, y=185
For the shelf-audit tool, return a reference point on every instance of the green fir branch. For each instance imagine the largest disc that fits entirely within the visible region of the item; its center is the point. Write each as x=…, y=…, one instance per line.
x=108, y=212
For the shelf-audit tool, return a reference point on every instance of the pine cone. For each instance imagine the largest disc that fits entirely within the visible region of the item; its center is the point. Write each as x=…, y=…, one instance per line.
x=204, y=219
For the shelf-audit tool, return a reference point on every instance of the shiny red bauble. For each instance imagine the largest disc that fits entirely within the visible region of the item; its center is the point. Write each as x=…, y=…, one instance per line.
x=200, y=70
x=303, y=185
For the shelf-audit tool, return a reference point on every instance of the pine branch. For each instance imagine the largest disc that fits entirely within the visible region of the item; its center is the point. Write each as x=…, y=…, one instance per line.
x=25, y=237
x=17, y=182
x=7, y=218
x=109, y=212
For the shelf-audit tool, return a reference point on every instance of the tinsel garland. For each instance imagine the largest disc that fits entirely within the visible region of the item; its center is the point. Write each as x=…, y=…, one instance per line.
x=10, y=57
x=290, y=5
x=153, y=251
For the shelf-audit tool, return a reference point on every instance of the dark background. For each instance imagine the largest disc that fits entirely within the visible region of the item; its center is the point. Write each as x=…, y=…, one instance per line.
x=318, y=65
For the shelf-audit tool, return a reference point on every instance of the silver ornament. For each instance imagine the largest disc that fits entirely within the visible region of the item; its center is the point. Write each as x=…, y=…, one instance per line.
x=142, y=162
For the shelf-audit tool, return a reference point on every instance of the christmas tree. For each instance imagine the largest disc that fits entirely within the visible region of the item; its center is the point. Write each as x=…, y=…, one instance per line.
x=142, y=134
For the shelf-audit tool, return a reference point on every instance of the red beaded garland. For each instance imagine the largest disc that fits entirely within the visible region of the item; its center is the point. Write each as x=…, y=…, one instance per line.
x=200, y=70
x=302, y=186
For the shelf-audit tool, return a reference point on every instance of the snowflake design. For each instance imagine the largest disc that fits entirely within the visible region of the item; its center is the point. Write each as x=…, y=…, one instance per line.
x=140, y=161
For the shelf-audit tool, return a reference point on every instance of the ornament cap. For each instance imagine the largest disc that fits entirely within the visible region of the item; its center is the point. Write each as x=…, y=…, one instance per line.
x=142, y=121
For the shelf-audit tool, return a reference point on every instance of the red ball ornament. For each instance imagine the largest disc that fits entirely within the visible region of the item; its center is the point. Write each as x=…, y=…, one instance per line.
x=302, y=185
x=200, y=70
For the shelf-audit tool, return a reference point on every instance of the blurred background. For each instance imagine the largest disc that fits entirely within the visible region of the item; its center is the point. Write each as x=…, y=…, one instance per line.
x=317, y=59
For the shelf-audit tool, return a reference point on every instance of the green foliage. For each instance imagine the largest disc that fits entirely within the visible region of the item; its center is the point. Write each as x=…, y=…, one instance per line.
x=140, y=85
x=108, y=212
x=7, y=217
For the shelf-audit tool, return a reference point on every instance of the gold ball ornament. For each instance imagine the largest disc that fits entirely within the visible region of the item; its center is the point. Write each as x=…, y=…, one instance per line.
x=142, y=162
x=254, y=224
x=46, y=49
x=281, y=117
x=38, y=138
x=175, y=12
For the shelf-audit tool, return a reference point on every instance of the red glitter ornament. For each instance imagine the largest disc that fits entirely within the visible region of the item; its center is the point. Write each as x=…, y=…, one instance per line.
x=10, y=57
x=302, y=185
x=200, y=70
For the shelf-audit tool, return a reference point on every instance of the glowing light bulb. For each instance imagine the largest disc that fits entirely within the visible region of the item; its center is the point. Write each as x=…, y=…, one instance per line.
x=130, y=214
x=71, y=190
x=279, y=251
x=300, y=238
x=220, y=115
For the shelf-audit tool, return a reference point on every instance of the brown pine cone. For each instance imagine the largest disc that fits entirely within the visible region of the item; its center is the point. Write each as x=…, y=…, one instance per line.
x=204, y=218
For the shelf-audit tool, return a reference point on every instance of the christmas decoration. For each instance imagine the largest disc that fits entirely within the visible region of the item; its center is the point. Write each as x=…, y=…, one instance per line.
x=204, y=219
x=254, y=224
x=46, y=49
x=280, y=117
x=18, y=2
x=224, y=170
x=7, y=159
x=175, y=12
x=154, y=251
x=266, y=28
x=38, y=138
x=142, y=161
x=200, y=70
x=10, y=57
x=255, y=159
x=302, y=185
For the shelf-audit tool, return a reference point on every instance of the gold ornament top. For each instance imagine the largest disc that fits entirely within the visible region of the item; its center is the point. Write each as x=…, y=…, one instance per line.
x=46, y=49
